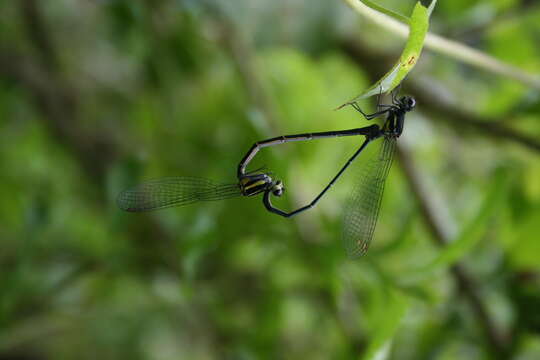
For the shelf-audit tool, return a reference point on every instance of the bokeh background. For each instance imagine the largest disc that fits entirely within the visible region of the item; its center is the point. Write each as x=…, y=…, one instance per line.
x=98, y=95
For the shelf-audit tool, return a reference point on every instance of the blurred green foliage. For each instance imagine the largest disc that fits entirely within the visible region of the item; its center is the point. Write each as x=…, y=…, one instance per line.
x=96, y=96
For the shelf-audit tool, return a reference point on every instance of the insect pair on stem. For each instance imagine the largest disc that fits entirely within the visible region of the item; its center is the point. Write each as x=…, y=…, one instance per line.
x=362, y=206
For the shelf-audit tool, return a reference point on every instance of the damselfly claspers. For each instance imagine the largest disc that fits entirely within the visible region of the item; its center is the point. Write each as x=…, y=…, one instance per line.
x=363, y=205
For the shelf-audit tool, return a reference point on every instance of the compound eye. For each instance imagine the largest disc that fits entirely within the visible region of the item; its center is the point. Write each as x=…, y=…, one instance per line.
x=278, y=192
x=278, y=189
x=411, y=102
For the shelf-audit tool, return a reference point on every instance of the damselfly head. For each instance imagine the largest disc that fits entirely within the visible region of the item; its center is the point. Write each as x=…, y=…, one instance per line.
x=277, y=188
x=407, y=103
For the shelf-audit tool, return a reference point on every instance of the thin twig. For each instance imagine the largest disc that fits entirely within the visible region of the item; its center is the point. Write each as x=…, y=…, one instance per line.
x=448, y=47
x=458, y=117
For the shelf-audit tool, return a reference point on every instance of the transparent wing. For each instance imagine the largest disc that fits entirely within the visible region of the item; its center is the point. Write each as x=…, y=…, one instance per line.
x=173, y=191
x=363, y=205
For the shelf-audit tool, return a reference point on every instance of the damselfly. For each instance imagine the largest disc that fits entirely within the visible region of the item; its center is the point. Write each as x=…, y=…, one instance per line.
x=363, y=205
x=364, y=202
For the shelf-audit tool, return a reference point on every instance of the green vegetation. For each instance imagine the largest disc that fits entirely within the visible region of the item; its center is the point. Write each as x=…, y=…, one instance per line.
x=96, y=96
x=418, y=25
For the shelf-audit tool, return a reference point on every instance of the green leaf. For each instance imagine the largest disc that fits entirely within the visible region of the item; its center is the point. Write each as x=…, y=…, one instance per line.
x=388, y=322
x=473, y=232
x=418, y=27
x=386, y=11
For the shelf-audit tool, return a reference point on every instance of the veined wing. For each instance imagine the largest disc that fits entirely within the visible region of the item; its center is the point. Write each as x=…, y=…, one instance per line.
x=173, y=191
x=362, y=209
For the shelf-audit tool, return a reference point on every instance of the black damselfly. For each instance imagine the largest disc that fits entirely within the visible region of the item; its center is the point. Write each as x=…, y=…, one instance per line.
x=363, y=205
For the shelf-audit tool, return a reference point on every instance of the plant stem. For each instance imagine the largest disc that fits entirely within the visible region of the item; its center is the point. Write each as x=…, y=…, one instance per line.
x=448, y=47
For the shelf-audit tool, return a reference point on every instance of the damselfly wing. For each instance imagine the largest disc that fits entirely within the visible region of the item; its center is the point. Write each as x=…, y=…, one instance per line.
x=364, y=202
x=174, y=191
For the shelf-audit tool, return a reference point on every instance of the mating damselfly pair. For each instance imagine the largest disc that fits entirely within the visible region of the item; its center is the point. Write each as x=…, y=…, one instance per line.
x=363, y=205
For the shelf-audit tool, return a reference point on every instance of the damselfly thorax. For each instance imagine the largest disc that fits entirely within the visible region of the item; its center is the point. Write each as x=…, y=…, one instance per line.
x=255, y=183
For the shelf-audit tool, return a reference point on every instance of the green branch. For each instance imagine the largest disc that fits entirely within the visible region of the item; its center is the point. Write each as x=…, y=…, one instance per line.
x=418, y=25
x=445, y=46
